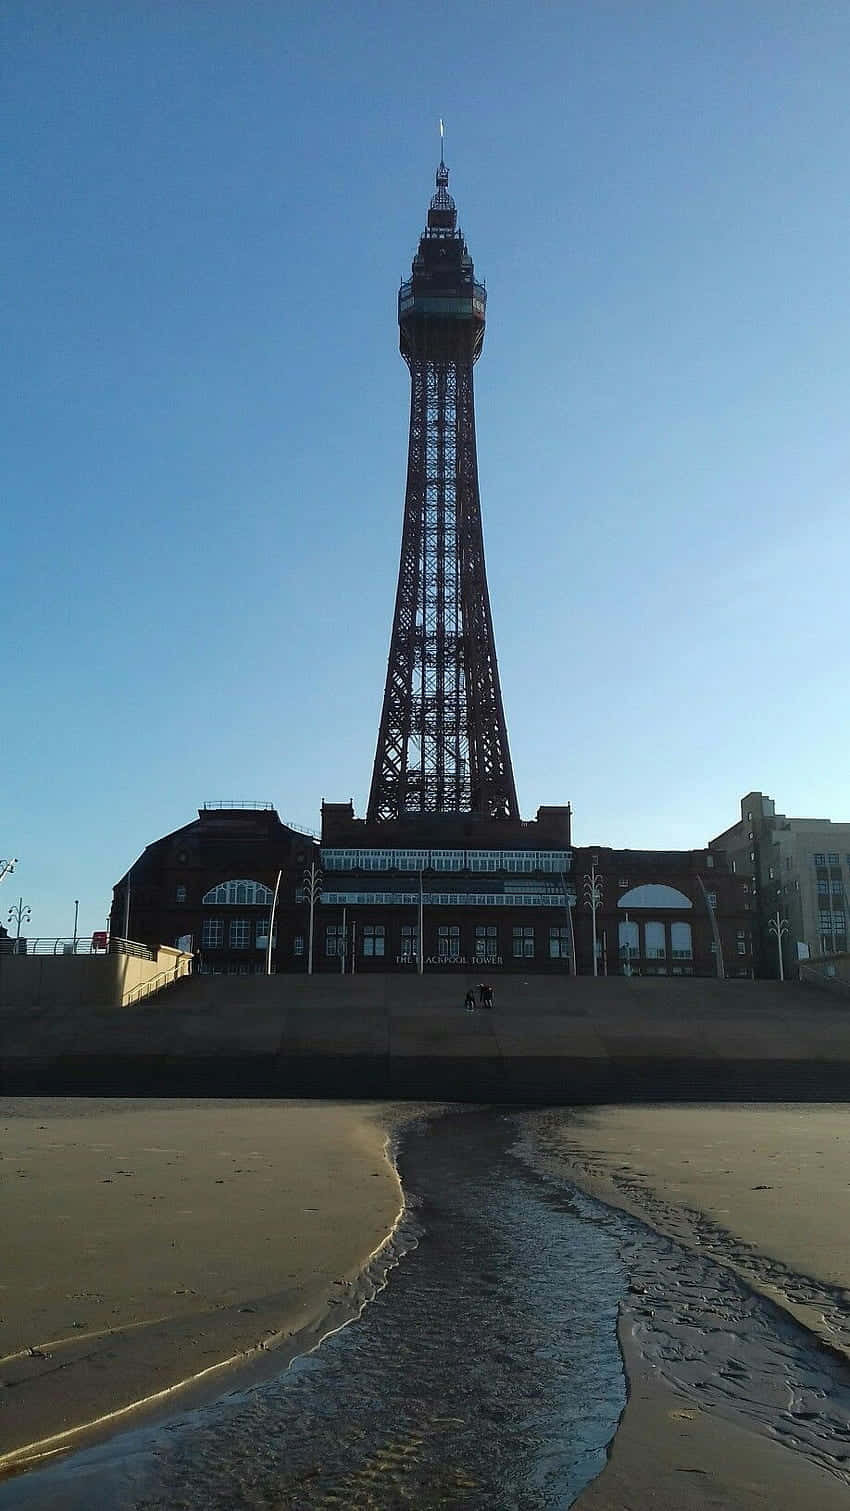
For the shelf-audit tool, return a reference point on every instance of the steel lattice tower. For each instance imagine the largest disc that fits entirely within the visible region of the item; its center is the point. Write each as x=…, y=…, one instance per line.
x=443, y=742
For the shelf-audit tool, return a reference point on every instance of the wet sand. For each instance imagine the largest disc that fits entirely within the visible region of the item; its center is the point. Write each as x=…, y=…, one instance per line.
x=763, y=1190
x=146, y=1243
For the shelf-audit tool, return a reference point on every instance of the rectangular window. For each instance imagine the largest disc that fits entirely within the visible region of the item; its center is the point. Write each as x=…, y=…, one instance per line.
x=709, y=860
x=712, y=901
x=820, y=860
x=298, y=944
x=832, y=859
x=240, y=933
x=559, y=944
x=373, y=938
x=261, y=932
x=448, y=941
x=180, y=894
x=742, y=946
x=523, y=942
x=836, y=888
x=334, y=939
x=486, y=941
x=823, y=888
x=623, y=881
x=212, y=934
x=409, y=942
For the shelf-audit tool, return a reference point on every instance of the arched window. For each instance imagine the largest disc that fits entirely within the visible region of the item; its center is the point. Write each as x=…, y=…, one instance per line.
x=239, y=894
x=654, y=945
x=680, y=941
x=629, y=949
x=653, y=894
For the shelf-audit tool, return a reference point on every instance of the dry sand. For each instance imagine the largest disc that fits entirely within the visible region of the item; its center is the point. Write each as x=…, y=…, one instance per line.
x=763, y=1189
x=144, y=1243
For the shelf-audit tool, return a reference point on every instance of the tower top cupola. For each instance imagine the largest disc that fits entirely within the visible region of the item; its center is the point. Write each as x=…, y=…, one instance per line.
x=442, y=212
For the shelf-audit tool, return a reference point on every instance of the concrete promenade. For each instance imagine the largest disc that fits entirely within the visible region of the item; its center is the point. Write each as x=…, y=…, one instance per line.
x=397, y=1036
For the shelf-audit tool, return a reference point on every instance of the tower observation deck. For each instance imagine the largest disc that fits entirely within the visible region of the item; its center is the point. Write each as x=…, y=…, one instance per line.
x=442, y=742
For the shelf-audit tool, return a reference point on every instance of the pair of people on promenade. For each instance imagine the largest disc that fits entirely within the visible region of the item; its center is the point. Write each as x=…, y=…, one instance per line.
x=485, y=997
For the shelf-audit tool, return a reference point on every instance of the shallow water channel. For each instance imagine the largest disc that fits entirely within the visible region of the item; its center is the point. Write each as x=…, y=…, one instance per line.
x=486, y=1373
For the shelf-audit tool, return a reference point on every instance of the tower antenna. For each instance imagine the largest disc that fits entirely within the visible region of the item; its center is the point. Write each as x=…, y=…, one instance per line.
x=442, y=136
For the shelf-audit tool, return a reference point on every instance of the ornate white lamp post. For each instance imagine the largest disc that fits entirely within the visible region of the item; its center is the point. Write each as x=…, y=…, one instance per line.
x=7, y=867
x=777, y=926
x=593, y=900
x=312, y=891
x=20, y=914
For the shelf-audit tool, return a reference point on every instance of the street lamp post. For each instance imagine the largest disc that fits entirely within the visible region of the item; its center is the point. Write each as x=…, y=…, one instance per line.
x=20, y=914
x=777, y=926
x=76, y=917
x=593, y=900
x=271, y=925
x=420, y=953
x=7, y=866
x=313, y=890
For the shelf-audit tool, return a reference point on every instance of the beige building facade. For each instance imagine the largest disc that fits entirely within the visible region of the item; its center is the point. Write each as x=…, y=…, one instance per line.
x=799, y=870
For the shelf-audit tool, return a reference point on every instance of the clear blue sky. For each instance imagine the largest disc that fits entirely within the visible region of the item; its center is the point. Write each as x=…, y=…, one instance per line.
x=210, y=206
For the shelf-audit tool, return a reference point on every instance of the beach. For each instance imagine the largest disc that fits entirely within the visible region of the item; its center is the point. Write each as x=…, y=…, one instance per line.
x=763, y=1190
x=156, y=1252
x=152, y=1246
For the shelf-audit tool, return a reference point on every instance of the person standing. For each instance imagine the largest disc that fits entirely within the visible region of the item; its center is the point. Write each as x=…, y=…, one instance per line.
x=470, y=1000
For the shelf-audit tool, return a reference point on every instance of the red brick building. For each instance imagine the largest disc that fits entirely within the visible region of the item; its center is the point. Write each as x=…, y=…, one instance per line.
x=454, y=892
x=662, y=913
x=209, y=887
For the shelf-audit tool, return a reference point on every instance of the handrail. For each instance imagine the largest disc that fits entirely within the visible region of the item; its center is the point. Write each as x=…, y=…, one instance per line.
x=84, y=944
x=155, y=984
x=237, y=803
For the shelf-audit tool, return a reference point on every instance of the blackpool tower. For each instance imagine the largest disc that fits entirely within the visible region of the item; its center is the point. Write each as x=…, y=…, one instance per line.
x=443, y=741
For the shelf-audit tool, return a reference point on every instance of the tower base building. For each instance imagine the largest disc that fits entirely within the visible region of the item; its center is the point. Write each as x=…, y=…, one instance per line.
x=445, y=892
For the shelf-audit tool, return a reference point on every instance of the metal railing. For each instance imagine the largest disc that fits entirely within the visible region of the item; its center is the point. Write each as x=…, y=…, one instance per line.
x=238, y=803
x=156, y=984
x=245, y=805
x=84, y=944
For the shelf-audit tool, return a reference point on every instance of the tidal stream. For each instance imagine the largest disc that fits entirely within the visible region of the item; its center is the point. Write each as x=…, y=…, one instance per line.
x=486, y=1373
